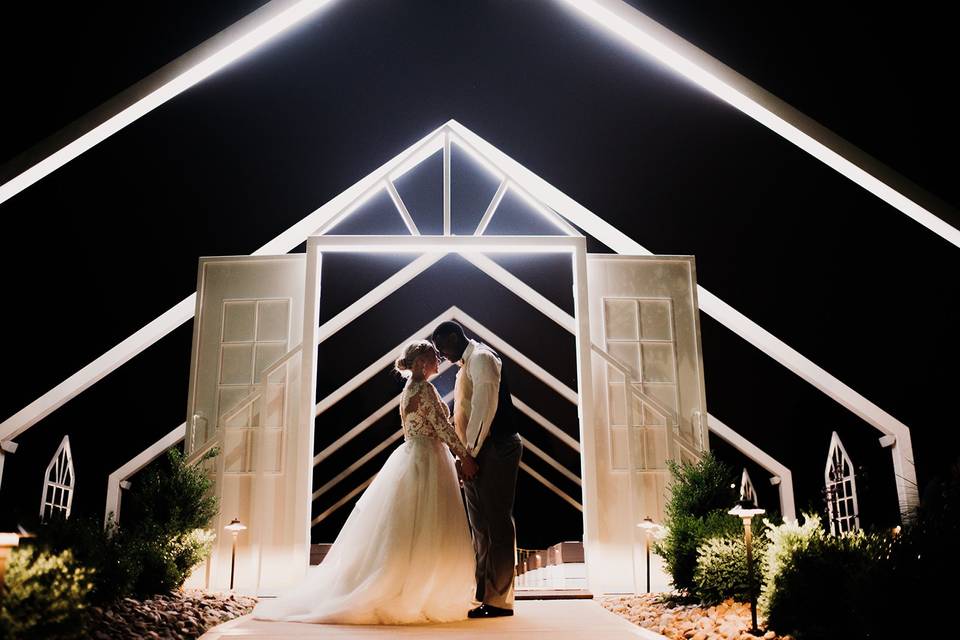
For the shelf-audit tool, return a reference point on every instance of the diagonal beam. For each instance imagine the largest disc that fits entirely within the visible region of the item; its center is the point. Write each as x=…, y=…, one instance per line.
x=780, y=473
x=370, y=455
x=199, y=63
x=577, y=214
x=365, y=424
x=551, y=428
x=650, y=38
x=549, y=485
x=184, y=310
x=402, y=209
x=550, y=460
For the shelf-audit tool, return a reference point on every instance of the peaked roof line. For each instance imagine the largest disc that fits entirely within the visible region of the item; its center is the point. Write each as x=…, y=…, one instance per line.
x=552, y=198
x=614, y=16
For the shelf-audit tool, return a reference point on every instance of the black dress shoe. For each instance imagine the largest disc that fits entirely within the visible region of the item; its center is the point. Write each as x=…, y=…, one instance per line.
x=489, y=611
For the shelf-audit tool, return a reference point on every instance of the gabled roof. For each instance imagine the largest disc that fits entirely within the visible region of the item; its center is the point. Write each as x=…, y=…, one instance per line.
x=614, y=16
x=550, y=202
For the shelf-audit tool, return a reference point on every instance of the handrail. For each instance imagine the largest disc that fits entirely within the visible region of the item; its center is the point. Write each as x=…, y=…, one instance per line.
x=254, y=395
x=624, y=369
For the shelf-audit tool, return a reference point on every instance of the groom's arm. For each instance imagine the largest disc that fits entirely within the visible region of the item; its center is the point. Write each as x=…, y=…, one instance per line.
x=485, y=373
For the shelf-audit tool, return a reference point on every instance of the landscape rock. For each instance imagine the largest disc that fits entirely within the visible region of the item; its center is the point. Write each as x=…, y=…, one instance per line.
x=728, y=620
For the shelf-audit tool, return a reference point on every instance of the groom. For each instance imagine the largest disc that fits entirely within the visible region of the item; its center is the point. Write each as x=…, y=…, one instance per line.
x=483, y=417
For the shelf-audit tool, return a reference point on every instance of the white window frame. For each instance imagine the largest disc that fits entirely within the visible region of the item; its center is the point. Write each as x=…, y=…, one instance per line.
x=59, y=480
x=836, y=488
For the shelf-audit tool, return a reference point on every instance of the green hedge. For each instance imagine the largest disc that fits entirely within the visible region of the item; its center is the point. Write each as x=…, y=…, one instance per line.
x=721, y=571
x=44, y=596
x=701, y=495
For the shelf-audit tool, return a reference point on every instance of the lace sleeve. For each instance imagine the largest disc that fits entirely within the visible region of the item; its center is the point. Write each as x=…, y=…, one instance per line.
x=442, y=428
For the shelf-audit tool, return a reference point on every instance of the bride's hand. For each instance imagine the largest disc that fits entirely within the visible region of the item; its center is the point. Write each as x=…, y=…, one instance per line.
x=469, y=468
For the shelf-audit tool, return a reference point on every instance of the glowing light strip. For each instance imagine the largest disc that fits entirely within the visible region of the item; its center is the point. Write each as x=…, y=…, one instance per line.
x=232, y=51
x=183, y=311
x=491, y=208
x=740, y=324
x=651, y=38
x=402, y=209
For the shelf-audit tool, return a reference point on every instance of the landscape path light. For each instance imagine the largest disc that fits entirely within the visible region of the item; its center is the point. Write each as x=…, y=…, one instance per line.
x=235, y=527
x=649, y=529
x=746, y=511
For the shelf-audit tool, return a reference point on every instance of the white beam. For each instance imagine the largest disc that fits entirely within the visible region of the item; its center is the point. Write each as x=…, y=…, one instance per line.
x=377, y=294
x=447, y=204
x=529, y=295
x=357, y=464
x=134, y=465
x=550, y=485
x=183, y=311
x=769, y=344
x=506, y=349
x=491, y=209
x=342, y=501
x=378, y=365
x=199, y=63
x=546, y=457
x=554, y=200
x=765, y=460
x=402, y=209
x=551, y=428
x=651, y=38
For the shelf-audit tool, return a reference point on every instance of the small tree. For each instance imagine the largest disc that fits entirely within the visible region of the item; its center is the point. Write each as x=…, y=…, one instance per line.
x=701, y=494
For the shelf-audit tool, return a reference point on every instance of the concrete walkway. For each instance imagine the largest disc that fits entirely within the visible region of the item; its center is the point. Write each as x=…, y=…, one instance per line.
x=553, y=619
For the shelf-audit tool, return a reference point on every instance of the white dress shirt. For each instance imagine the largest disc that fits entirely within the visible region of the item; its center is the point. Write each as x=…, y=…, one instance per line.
x=475, y=394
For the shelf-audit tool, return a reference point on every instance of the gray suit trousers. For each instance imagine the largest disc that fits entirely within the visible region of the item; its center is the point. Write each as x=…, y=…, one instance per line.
x=490, y=508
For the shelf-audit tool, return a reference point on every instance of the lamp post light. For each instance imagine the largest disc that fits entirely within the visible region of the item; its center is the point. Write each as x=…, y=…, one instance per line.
x=746, y=511
x=649, y=527
x=235, y=527
x=8, y=542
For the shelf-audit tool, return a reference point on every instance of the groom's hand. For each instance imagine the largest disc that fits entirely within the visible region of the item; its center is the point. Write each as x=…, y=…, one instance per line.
x=469, y=468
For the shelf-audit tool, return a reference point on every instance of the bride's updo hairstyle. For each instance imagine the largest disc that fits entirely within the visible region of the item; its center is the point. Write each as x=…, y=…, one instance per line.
x=410, y=353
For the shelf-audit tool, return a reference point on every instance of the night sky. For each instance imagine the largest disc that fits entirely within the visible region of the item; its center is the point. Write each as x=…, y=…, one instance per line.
x=101, y=247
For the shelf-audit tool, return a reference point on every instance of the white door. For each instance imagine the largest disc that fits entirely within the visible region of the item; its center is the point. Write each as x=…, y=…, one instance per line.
x=244, y=379
x=649, y=401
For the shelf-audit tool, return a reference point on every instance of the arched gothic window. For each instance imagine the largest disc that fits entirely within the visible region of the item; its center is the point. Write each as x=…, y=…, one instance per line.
x=58, y=482
x=746, y=488
x=841, y=489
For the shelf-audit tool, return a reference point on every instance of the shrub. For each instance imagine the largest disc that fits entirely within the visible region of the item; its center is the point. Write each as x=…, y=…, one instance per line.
x=701, y=495
x=721, y=571
x=104, y=551
x=829, y=587
x=45, y=595
x=171, y=498
x=161, y=540
x=166, y=562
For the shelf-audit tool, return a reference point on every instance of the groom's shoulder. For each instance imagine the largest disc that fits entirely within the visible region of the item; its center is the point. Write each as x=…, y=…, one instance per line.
x=485, y=355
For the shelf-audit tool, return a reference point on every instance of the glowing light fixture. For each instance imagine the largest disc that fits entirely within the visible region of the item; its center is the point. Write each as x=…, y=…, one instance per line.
x=746, y=511
x=651, y=38
x=220, y=58
x=235, y=527
x=650, y=528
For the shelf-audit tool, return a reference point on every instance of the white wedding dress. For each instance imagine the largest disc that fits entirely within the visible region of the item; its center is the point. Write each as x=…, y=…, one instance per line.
x=405, y=554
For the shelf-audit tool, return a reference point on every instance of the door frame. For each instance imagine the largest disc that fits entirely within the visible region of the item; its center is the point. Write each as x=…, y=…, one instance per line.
x=576, y=246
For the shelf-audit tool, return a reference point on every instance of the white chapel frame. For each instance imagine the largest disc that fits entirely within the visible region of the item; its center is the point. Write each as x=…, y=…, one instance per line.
x=317, y=245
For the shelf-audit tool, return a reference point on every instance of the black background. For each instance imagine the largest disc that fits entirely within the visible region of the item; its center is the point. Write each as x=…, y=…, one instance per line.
x=102, y=246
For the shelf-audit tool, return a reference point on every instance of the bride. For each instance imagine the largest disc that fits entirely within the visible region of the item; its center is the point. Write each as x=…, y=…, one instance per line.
x=405, y=554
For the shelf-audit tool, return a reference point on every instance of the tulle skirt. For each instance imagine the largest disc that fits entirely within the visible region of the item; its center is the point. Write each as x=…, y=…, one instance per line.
x=404, y=555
